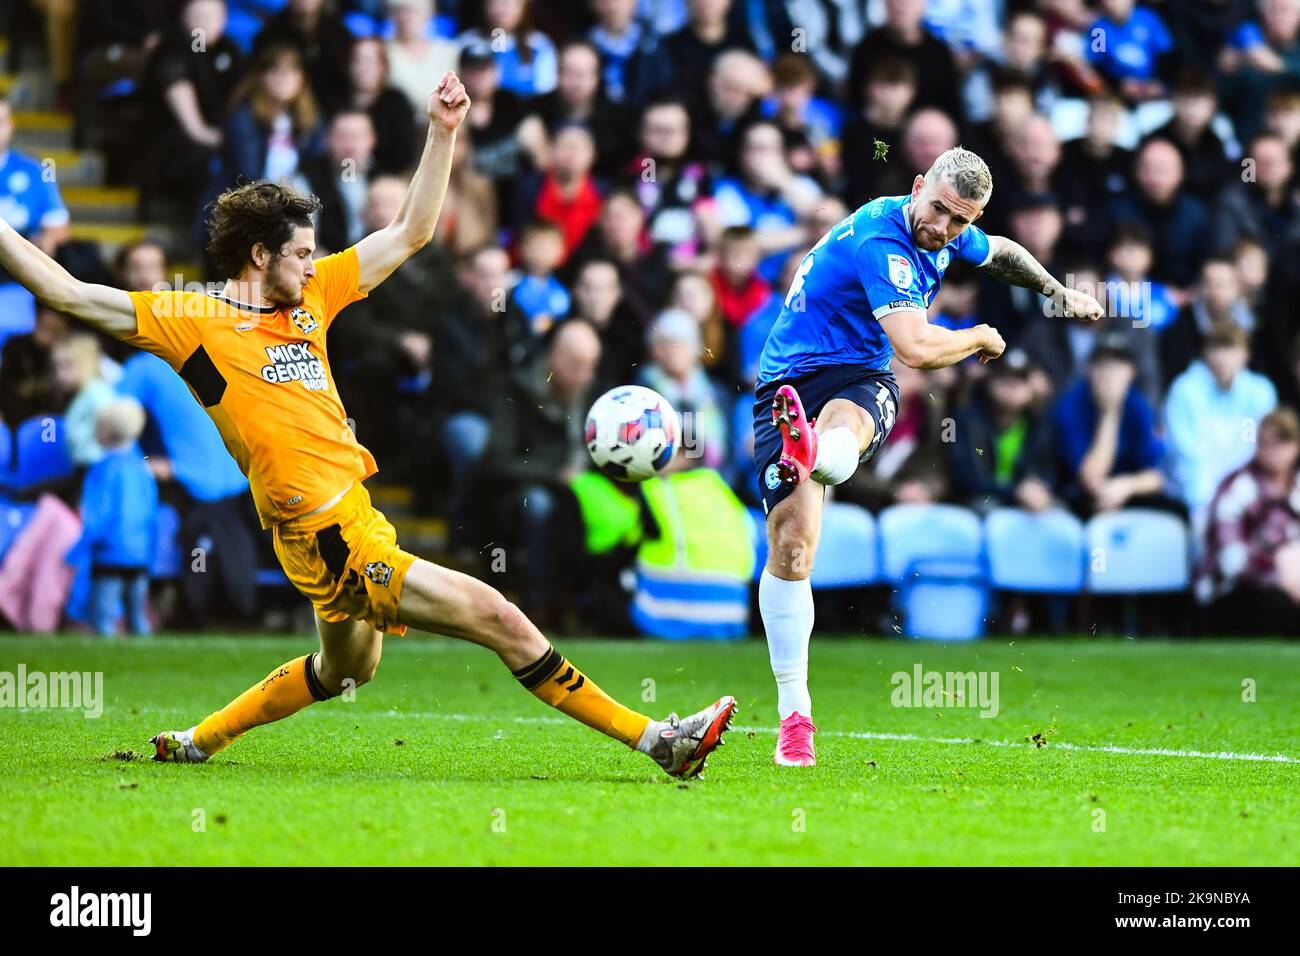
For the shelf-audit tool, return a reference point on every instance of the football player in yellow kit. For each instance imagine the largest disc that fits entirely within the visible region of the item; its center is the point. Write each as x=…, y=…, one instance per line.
x=254, y=356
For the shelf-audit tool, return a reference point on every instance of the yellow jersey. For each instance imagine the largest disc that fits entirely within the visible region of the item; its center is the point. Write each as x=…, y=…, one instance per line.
x=263, y=376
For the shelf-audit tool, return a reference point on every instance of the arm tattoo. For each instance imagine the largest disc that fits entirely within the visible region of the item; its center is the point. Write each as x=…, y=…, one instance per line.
x=1013, y=264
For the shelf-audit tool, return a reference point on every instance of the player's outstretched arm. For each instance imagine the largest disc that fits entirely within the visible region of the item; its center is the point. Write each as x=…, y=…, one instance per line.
x=921, y=345
x=1012, y=263
x=107, y=309
x=381, y=252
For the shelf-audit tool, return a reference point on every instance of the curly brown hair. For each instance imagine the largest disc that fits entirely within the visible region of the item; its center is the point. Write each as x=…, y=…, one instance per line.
x=264, y=212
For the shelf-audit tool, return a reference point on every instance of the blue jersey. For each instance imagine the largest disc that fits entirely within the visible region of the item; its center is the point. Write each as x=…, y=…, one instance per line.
x=29, y=197
x=863, y=269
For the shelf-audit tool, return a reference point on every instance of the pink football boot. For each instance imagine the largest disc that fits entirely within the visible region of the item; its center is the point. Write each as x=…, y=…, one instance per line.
x=798, y=440
x=794, y=745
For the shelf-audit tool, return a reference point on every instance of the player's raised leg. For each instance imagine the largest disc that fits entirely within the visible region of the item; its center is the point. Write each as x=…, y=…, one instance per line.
x=443, y=601
x=348, y=656
x=829, y=455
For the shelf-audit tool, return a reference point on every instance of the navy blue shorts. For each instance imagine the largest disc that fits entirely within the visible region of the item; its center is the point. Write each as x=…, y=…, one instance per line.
x=871, y=389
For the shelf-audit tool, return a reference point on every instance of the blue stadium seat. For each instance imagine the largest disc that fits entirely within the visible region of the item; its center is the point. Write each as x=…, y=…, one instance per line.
x=272, y=578
x=14, y=516
x=1137, y=551
x=912, y=535
x=760, y=541
x=40, y=460
x=846, y=554
x=948, y=601
x=1035, y=552
x=17, y=311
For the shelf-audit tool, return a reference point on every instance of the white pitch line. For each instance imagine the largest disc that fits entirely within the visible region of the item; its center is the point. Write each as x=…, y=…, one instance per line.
x=906, y=738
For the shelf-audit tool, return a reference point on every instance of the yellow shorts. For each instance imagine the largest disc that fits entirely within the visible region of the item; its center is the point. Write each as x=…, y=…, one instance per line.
x=346, y=561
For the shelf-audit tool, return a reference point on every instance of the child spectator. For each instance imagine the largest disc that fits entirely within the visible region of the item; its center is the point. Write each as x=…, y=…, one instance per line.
x=1249, y=572
x=736, y=282
x=541, y=297
x=76, y=370
x=1218, y=300
x=119, y=508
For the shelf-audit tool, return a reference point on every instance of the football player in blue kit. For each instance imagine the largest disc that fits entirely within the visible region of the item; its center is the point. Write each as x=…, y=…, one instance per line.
x=826, y=397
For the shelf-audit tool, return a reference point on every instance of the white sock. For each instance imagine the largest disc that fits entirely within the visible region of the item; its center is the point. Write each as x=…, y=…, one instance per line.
x=787, y=610
x=837, y=456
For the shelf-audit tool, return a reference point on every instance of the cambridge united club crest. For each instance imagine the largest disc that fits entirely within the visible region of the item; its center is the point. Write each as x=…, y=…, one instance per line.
x=379, y=573
x=305, y=321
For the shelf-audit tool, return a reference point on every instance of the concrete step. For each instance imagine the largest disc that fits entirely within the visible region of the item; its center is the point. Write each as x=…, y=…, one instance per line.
x=39, y=131
x=425, y=537
x=112, y=237
x=76, y=167
x=102, y=204
x=396, y=498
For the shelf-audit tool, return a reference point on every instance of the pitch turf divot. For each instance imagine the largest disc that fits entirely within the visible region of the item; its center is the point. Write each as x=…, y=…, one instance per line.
x=912, y=738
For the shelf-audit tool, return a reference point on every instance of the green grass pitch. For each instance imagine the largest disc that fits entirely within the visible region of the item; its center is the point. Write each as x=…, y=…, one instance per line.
x=444, y=760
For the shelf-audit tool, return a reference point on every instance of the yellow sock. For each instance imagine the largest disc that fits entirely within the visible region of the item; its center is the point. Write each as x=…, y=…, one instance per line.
x=286, y=690
x=554, y=680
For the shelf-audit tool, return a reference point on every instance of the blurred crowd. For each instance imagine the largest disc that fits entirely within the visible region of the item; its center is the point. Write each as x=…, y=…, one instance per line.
x=633, y=191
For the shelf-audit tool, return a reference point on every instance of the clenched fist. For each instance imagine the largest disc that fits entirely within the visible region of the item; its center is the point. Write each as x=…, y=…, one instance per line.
x=449, y=103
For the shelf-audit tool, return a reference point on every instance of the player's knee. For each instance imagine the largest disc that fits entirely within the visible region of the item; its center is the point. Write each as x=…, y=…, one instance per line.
x=366, y=669
x=506, y=622
x=338, y=674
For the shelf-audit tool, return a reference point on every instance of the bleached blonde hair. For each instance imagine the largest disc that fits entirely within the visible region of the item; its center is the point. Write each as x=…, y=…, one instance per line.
x=965, y=171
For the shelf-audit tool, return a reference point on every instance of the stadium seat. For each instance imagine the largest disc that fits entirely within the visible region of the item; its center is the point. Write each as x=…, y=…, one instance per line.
x=40, y=460
x=17, y=311
x=846, y=554
x=946, y=602
x=1042, y=553
x=911, y=535
x=1137, y=551
x=272, y=578
x=686, y=610
x=14, y=516
x=760, y=541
